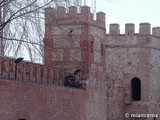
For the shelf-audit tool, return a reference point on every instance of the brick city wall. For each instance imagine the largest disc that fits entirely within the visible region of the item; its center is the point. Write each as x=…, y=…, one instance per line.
x=38, y=92
x=45, y=82
x=40, y=102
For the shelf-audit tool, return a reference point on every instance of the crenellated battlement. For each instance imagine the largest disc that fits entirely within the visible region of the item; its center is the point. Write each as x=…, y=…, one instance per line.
x=156, y=31
x=144, y=29
x=60, y=16
x=114, y=29
x=33, y=73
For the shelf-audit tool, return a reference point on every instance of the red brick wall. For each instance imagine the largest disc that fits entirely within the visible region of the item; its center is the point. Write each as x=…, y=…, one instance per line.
x=40, y=102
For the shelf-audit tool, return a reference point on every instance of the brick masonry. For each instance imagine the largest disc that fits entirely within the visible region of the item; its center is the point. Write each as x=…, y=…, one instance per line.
x=74, y=40
x=33, y=101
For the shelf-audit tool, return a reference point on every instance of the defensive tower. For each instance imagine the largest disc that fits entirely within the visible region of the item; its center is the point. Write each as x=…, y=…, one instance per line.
x=131, y=59
x=76, y=41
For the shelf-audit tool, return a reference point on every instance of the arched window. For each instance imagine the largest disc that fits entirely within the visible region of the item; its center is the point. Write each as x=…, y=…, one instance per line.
x=136, y=89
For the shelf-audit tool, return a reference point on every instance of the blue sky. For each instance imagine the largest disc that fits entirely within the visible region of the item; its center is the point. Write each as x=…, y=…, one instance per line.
x=130, y=11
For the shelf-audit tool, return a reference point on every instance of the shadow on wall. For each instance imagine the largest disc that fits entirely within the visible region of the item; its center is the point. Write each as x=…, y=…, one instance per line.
x=75, y=80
